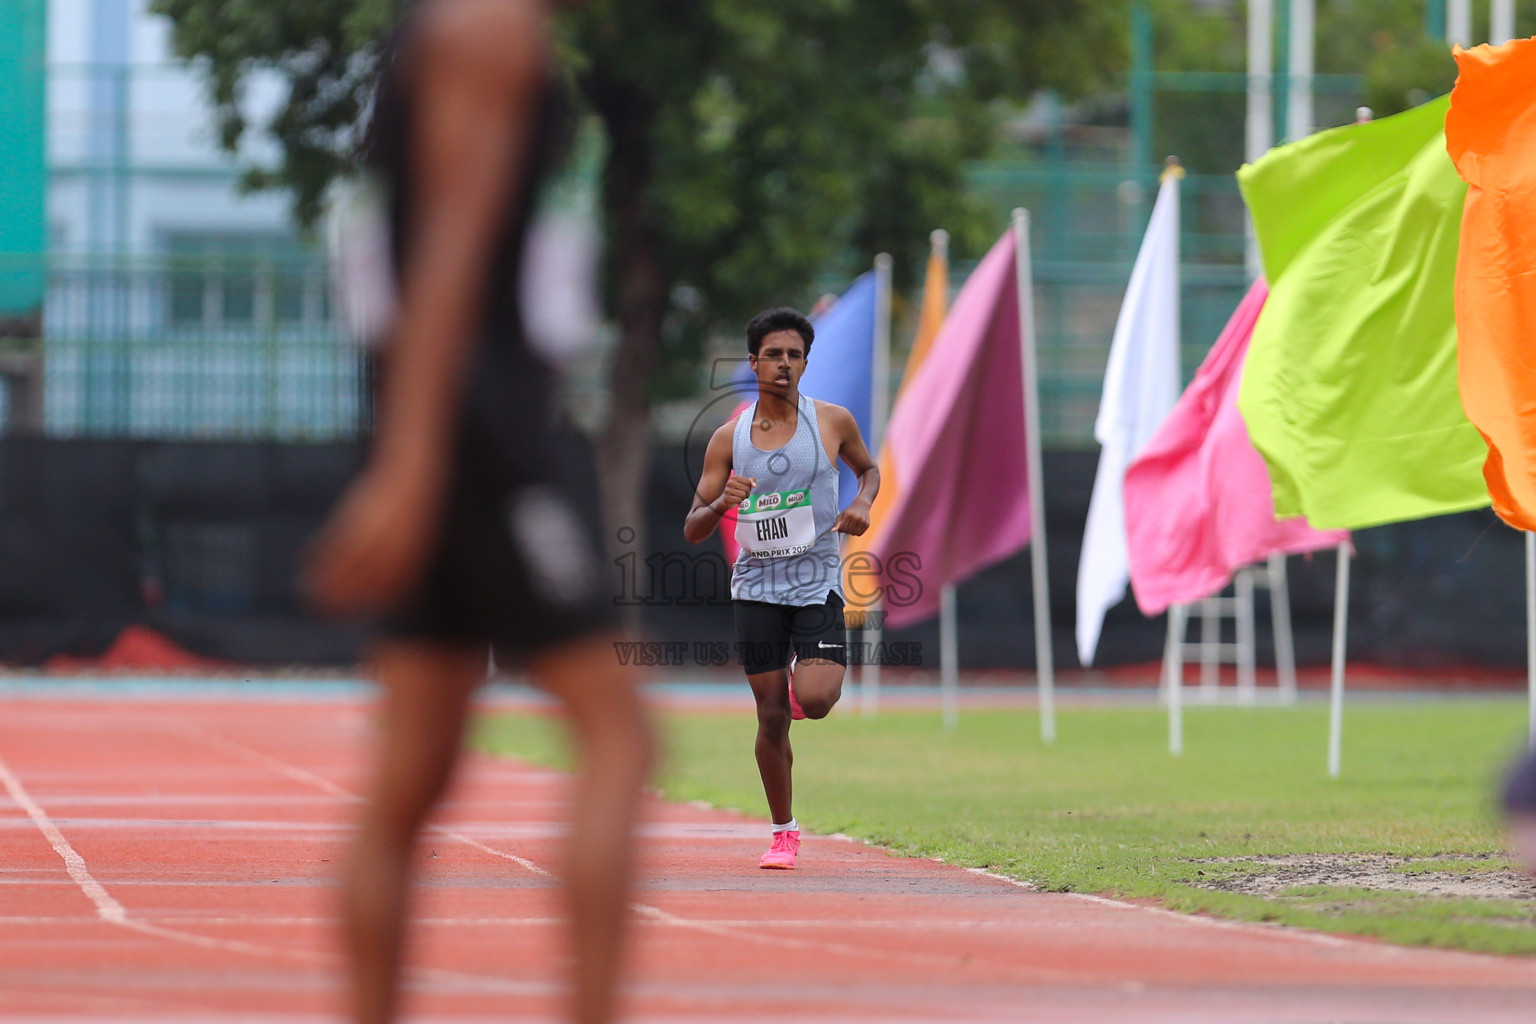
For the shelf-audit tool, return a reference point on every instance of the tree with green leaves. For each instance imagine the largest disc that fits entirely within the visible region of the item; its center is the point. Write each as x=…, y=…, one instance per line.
x=750, y=144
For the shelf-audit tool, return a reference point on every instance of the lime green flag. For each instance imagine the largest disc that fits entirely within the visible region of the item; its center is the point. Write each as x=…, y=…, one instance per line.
x=1349, y=391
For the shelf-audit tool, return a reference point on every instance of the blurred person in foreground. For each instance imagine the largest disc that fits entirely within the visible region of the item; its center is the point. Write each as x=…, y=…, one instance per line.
x=1519, y=799
x=471, y=523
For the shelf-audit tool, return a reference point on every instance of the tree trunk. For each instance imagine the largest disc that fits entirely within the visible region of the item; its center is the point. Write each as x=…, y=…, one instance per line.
x=641, y=296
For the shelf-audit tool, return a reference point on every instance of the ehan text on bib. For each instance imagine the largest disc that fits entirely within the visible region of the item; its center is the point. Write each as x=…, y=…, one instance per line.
x=776, y=525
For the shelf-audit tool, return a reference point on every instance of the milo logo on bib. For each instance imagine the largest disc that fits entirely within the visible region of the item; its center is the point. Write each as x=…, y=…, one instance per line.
x=776, y=525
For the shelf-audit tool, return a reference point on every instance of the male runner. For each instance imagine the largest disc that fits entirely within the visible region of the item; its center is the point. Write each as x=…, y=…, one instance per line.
x=776, y=463
x=467, y=528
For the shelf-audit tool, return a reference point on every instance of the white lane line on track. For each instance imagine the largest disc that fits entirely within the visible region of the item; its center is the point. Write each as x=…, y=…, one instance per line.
x=284, y=922
x=1247, y=927
x=746, y=930
x=790, y=924
x=110, y=910
x=745, y=933
x=107, y=908
x=251, y=755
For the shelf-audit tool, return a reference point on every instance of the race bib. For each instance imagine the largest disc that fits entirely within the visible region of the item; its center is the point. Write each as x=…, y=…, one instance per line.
x=776, y=525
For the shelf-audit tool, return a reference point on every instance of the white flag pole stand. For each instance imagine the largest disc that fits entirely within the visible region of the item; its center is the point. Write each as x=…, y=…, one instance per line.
x=949, y=658
x=1530, y=636
x=1045, y=663
x=869, y=667
x=1173, y=677
x=1340, y=641
x=879, y=415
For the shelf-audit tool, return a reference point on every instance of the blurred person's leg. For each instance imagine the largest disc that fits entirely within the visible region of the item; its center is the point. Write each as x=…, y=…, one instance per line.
x=427, y=689
x=614, y=749
x=1519, y=799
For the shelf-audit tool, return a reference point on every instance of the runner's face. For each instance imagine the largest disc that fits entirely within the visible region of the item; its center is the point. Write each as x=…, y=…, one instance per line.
x=780, y=361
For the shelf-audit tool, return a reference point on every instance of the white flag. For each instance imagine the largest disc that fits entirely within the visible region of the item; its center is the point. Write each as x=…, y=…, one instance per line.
x=1141, y=385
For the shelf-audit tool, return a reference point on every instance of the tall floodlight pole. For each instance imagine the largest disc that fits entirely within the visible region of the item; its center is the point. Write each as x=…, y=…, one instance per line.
x=1261, y=103
x=1501, y=22
x=1458, y=22
x=1303, y=42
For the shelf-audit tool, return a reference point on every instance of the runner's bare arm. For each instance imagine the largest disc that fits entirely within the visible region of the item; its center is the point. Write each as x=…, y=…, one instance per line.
x=719, y=490
x=854, y=519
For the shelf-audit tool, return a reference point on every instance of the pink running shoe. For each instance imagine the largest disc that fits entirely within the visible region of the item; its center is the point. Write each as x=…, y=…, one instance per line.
x=781, y=854
x=796, y=712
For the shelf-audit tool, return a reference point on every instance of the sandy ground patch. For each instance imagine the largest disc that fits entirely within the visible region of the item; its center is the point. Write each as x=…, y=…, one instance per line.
x=1462, y=877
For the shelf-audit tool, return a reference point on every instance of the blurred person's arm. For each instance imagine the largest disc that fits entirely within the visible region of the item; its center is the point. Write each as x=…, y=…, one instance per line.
x=719, y=490
x=475, y=79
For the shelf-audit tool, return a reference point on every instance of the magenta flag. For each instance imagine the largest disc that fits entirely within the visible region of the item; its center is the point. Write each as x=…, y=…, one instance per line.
x=1198, y=501
x=958, y=494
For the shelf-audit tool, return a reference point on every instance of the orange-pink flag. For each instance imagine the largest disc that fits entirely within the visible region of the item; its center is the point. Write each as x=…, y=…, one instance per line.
x=1198, y=500
x=1490, y=132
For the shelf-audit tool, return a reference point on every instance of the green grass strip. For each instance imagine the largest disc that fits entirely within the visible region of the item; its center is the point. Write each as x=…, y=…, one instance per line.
x=1107, y=810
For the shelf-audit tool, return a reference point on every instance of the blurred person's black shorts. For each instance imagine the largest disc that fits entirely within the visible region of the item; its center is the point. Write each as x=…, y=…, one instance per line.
x=767, y=634
x=518, y=563
x=1519, y=794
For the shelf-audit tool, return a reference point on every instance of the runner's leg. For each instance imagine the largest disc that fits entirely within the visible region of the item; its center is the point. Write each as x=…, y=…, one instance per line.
x=818, y=685
x=775, y=759
x=820, y=640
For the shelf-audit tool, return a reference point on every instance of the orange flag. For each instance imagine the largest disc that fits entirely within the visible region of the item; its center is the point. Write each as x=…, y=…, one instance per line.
x=1490, y=132
x=929, y=319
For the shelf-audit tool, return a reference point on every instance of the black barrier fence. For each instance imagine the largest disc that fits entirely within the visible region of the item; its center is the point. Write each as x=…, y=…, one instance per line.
x=202, y=541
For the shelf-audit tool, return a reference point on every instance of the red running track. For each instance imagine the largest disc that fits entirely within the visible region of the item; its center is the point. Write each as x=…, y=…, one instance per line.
x=171, y=861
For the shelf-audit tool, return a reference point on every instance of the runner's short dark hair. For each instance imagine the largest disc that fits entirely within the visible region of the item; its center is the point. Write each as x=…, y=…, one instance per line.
x=781, y=319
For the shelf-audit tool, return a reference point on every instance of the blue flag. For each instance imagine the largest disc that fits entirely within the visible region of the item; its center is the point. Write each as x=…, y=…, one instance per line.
x=840, y=368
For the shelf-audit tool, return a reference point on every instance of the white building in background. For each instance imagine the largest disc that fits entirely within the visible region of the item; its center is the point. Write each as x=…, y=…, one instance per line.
x=177, y=305
x=135, y=164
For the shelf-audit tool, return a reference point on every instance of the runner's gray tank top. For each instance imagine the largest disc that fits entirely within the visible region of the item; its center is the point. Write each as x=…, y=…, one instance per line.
x=787, y=557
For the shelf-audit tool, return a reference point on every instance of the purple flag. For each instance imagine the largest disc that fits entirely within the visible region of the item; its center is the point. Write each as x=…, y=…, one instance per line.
x=957, y=495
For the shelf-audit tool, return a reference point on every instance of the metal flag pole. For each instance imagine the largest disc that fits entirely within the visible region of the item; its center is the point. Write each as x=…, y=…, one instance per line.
x=879, y=415
x=1458, y=22
x=1045, y=663
x=1340, y=619
x=1303, y=44
x=1261, y=106
x=1280, y=622
x=1173, y=678
x=1340, y=641
x=1501, y=22
x=1530, y=636
x=949, y=628
x=949, y=658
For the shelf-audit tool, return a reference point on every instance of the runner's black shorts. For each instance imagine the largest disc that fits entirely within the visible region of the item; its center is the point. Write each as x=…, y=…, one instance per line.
x=767, y=634
x=518, y=562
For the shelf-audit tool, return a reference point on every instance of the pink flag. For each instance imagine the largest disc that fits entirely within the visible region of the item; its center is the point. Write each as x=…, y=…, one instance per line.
x=1198, y=502
x=956, y=441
